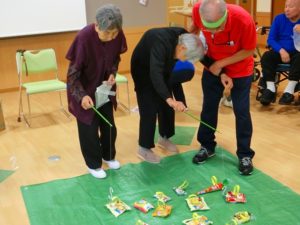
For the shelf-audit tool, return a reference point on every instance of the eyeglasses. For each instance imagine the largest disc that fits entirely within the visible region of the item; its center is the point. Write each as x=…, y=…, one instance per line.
x=227, y=42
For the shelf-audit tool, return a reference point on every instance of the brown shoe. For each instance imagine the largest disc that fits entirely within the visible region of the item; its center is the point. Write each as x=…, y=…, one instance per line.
x=148, y=155
x=166, y=144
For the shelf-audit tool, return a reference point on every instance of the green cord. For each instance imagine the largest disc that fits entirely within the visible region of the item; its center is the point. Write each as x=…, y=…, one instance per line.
x=194, y=117
x=102, y=116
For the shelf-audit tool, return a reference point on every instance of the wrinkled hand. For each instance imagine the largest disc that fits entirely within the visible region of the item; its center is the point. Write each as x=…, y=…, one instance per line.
x=227, y=82
x=176, y=105
x=285, y=57
x=87, y=102
x=297, y=28
x=111, y=80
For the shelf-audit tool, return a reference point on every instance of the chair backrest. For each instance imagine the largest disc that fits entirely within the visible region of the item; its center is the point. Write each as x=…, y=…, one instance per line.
x=36, y=61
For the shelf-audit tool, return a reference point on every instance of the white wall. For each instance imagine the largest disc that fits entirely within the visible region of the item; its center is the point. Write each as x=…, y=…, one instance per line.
x=263, y=6
x=28, y=17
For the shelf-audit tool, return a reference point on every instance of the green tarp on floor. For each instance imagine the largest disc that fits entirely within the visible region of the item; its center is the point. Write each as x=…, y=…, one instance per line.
x=183, y=135
x=81, y=200
x=4, y=174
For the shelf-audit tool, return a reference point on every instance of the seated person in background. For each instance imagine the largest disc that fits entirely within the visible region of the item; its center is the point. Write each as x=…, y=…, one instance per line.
x=156, y=82
x=282, y=51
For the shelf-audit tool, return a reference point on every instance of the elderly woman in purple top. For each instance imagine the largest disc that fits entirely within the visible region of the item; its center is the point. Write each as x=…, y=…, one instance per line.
x=94, y=58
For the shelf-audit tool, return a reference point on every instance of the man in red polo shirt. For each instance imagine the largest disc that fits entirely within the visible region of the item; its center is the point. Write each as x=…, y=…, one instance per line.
x=230, y=36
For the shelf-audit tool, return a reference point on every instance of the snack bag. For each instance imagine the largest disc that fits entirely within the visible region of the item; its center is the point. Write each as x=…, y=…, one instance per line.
x=215, y=187
x=196, y=203
x=162, y=209
x=117, y=206
x=197, y=220
x=139, y=222
x=161, y=196
x=235, y=196
x=240, y=218
x=143, y=205
x=180, y=190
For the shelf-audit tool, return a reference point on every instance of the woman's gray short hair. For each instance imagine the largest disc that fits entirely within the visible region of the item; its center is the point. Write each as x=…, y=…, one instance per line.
x=109, y=17
x=210, y=8
x=194, y=48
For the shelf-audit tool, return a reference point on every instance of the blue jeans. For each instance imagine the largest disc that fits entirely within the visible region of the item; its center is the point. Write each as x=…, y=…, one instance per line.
x=240, y=94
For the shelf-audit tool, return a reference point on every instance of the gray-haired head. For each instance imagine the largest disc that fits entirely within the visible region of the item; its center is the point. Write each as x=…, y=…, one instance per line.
x=212, y=10
x=109, y=17
x=194, y=48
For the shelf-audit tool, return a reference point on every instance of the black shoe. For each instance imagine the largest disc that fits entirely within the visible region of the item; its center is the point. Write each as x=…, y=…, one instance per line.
x=262, y=83
x=202, y=155
x=267, y=97
x=297, y=88
x=245, y=166
x=286, y=98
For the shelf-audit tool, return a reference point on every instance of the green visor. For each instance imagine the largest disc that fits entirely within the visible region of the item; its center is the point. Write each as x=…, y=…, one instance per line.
x=212, y=25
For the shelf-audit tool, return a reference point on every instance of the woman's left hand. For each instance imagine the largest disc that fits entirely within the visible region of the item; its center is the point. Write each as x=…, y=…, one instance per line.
x=111, y=80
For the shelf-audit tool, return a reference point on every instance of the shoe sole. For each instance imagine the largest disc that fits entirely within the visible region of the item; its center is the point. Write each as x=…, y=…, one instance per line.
x=143, y=158
x=205, y=159
x=162, y=147
x=245, y=174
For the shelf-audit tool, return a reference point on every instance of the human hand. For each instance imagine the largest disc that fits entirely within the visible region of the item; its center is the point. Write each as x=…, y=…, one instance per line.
x=297, y=28
x=176, y=105
x=87, y=102
x=215, y=68
x=227, y=82
x=285, y=57
x=111, y=80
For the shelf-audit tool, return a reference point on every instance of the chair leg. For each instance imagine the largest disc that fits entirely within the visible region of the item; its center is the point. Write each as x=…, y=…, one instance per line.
x=128, y=99
x=126, y=107
x=20, y=105
x=62, y=106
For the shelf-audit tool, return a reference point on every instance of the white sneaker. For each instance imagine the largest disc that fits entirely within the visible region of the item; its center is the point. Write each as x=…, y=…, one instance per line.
x=167, y=144
x=113, y=164
x=227, y=102
x=97, y=173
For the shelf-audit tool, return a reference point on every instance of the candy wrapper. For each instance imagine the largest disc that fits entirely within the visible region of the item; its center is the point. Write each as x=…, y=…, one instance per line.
x=162, y=209
x=215, y=187
x=139, y=222
x=117, y=206
x=196, y=203
x=197, y=220
x=143, y=205
x=240, y=218
x=180, y=190
x=162, y=196
x=235, y=196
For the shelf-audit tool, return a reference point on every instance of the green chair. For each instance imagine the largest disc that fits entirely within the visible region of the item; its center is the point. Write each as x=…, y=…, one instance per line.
x=121, y=79
x=37, y=62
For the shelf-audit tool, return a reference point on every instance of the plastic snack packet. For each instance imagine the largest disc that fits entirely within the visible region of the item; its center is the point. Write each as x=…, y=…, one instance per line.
x=180, y=190
x=161, y=196
x=235, y=196
x=240, y=218
x=116, y=206
x=139, y=222
x=215, y=187
x=102, y=93
x=162, y=209
x=196, y=203
x=197, y=220
x=143, y=205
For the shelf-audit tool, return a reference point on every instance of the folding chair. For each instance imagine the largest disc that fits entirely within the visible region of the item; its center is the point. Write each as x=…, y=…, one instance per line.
x=121, y=79
x=33, y=62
